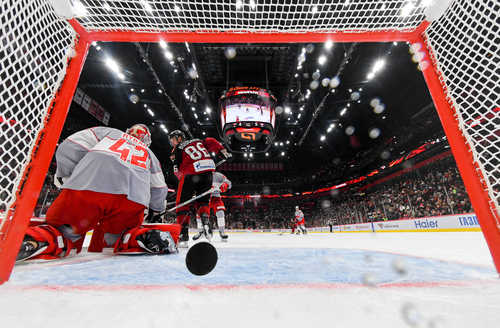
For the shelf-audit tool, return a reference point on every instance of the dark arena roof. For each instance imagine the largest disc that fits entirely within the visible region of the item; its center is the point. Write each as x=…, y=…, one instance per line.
x=350, y=109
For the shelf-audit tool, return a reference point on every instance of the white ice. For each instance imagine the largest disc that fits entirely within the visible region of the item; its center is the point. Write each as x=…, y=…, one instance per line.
x=268, y=280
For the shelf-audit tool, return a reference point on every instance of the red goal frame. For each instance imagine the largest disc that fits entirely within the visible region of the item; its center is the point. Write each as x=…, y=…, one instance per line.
x=12, y=232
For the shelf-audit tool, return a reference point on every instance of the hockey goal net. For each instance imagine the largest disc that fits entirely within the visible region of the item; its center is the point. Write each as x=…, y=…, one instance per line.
x=44, y=45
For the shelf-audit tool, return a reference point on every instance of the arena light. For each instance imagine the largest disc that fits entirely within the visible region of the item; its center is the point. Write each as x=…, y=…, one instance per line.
x=80, y=9
x=147, y=6
x=208, y=110
x=121, y=76
x=322, y=60
x=112, y=64
x=169, y=55
x=323, y=138
x=407, y=9
x=163, y=44
x=343, y=111
x=329, y=45
x=378, y=66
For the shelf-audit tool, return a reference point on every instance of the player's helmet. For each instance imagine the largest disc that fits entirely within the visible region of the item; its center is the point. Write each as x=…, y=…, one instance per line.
x=178, y=134
x=296, y=208
x=141, y=132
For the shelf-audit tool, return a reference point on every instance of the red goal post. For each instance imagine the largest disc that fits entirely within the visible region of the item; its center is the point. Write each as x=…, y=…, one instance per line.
x=44, y=45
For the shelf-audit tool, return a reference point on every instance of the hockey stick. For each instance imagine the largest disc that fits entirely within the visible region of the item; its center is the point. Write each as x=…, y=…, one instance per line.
x=283, y=232
x=192, y=199
x=188, y=201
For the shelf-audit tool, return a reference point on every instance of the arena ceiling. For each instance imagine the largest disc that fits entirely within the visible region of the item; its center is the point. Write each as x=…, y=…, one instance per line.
x=330, y=90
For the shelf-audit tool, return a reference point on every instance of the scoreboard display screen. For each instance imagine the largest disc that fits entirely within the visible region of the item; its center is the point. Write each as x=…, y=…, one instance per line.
x=248, y=119
x=246, y=104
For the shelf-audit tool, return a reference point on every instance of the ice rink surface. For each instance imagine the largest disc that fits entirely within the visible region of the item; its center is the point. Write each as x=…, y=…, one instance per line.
x=267, y=280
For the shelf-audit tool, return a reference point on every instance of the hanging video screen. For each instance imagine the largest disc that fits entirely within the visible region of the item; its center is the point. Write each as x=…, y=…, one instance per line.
x=247, y=105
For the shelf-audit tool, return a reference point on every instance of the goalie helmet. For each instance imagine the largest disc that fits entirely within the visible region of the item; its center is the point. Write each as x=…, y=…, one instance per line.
x=141, y=132
x=178, y=134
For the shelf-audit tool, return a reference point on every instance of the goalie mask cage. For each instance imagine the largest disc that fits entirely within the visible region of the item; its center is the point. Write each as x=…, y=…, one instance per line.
x=44, y=44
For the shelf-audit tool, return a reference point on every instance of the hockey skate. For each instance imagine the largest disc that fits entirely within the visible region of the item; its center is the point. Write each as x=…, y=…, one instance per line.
x=200, y=234
x=29, y=250
x=223, y=236
x=183, y=238
x=207, y=228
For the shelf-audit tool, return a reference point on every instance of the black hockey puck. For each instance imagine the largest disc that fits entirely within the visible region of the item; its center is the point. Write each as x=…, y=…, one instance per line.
x=201, y=259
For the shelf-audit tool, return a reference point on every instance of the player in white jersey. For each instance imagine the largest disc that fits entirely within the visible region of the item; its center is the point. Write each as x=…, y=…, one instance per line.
x=219, y=181
x=299, y=217
x=108, y=178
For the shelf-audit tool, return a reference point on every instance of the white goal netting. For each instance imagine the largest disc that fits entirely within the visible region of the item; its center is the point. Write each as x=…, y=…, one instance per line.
x=466, y=48
x=34, y=43
x=252, y=16
x=33, y=46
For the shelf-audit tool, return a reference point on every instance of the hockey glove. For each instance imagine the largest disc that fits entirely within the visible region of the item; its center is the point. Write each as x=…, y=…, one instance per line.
x=224, y=154
x=58, y=181
x=223, y=187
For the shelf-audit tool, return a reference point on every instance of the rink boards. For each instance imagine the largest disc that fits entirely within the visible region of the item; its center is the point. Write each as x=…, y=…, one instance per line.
x=447, y=223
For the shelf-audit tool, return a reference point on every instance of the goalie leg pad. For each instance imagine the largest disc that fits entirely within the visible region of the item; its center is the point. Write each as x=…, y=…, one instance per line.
x=156, y=239
x=57, y=245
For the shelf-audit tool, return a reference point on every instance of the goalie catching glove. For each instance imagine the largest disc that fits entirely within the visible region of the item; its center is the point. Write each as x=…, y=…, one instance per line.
x=224, y=154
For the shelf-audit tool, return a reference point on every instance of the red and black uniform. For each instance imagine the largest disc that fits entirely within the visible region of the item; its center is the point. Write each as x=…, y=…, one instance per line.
x=194, y=167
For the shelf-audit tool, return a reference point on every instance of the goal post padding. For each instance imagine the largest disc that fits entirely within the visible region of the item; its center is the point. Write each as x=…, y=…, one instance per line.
x=27, y=55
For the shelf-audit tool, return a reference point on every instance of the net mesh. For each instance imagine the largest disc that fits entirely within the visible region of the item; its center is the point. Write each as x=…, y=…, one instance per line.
x=268, y=16
x=465, y=45
x=33, y=43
